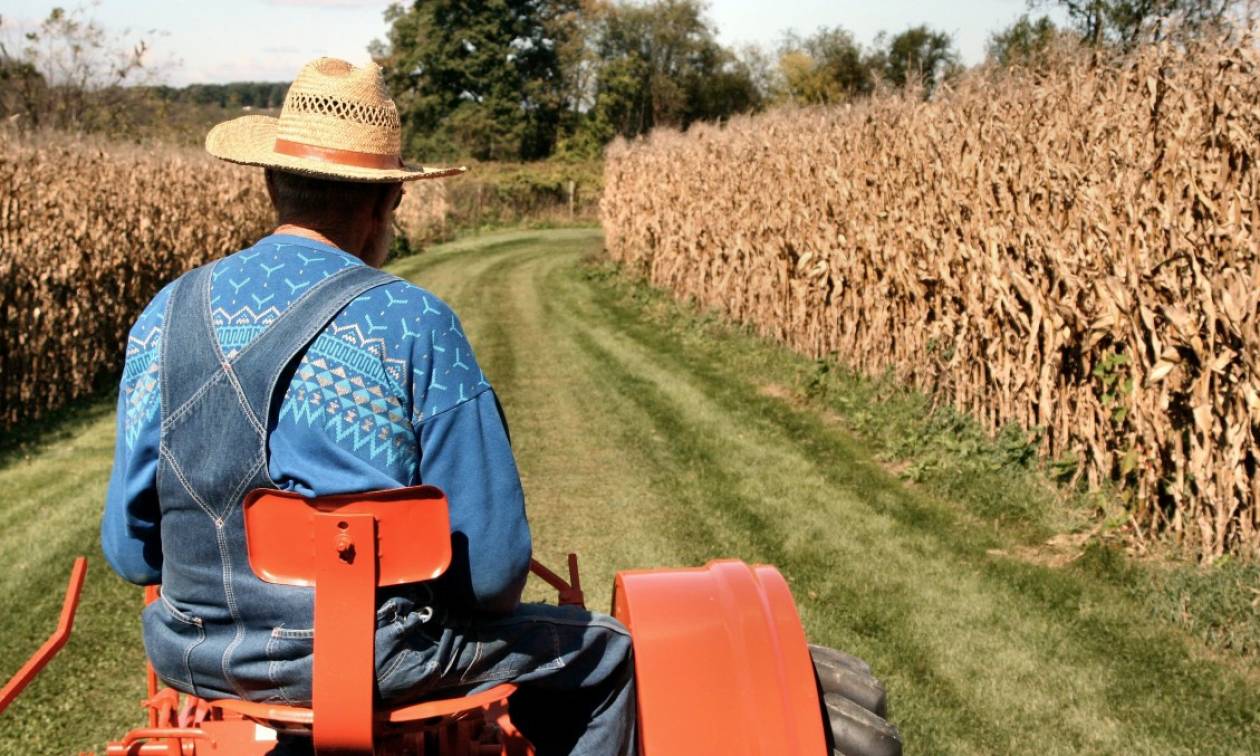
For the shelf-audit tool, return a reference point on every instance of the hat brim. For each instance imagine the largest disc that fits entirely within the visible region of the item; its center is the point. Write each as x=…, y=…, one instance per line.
x=249, y=140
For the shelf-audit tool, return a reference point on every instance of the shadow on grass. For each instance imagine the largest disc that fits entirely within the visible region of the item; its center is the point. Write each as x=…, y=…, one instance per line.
x=33, y=436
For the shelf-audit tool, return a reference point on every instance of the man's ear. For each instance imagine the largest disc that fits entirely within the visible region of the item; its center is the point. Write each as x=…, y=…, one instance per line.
x=385, y=200
x=269, y=178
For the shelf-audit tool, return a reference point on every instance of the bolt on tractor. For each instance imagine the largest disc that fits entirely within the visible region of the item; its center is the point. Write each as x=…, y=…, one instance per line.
x=722, y=665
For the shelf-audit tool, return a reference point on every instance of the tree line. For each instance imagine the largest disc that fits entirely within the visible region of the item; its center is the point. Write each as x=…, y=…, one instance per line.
x=527, y=79
x=264, y=95
x=70, y=73
x=531, y=79
x=66, y=73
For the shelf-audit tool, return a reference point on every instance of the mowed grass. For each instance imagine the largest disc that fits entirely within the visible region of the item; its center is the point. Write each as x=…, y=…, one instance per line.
x=647, y=438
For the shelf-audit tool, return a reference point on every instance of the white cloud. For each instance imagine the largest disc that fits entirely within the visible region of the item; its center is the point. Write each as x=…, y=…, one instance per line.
x=271, y=66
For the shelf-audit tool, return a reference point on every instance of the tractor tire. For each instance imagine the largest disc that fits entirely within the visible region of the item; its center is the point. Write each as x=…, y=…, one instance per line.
x=855, y=731
x=851, y=682
x=832, y=656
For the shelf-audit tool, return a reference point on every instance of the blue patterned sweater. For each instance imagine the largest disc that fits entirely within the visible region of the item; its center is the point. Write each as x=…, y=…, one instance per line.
x=388, y=395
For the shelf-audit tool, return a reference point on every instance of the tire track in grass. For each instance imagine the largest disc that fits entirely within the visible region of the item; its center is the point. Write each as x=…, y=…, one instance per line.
x=1014, y=731
x=1105, y=649
x=686, y=474
x=721, y=512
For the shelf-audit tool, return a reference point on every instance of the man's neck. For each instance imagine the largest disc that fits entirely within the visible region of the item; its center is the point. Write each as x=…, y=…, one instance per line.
x=339, y=240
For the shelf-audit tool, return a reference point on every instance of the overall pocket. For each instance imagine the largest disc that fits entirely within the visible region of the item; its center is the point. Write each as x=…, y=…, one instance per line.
x=290, y=663
x=170, y=637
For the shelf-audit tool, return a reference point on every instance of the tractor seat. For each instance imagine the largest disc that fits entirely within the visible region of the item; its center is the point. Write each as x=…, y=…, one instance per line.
x=346, y=547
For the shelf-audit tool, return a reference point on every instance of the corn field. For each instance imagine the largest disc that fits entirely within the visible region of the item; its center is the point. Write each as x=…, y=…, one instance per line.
x=424, y=215
x=89, y=231
x=1072, y=250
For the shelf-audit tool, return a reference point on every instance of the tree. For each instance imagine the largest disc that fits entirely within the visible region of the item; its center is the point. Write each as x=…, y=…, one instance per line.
x=762, y=68
x=827, y=67
x=1123, y=22
x=481, y=78
x=23, y=89
x=1023, y=43
x=659, y=64
x=723, y=85
x=918, y=53
x=69, y=73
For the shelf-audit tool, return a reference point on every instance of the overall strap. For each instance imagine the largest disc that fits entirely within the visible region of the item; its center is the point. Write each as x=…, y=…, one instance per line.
x=258, y=366
x=188, y=340
x=188, y=335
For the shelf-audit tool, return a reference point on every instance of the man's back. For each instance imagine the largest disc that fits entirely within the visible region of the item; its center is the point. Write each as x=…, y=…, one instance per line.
x=296, y=365
x=387, y=394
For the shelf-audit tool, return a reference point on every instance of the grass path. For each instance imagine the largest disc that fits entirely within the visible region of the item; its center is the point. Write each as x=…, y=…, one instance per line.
x=643, y=444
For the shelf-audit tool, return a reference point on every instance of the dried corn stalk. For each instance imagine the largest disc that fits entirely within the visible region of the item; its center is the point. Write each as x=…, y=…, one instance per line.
x=1075, y=252
x=88, y=233
x=422, y=217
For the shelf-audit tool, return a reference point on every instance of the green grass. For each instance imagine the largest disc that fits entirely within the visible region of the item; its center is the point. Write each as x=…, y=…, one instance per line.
x=649, y=434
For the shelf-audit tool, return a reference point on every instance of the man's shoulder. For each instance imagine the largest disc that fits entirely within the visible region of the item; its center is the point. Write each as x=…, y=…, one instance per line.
x=402, y=307
x=421, y=331
x=146, y=331
x=418, y=295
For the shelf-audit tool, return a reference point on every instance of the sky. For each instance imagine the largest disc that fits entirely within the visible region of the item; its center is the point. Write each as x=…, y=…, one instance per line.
x=269, y=40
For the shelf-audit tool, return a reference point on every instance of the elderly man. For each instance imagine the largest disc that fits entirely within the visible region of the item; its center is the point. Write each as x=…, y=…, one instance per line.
x=295, y=364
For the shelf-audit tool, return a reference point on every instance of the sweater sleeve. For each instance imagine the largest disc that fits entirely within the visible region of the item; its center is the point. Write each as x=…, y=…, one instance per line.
x=130, y=536
x=465, y=452
x=463, y=446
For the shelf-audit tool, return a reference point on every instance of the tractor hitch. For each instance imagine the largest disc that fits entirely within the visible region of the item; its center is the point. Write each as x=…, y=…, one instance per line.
x=46, y=652
x=570, y=593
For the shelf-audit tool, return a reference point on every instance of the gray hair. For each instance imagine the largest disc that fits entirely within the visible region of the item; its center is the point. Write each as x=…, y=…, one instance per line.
x=300, y=196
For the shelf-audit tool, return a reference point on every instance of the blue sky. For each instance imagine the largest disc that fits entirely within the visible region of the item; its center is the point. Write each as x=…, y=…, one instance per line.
x=268, y=40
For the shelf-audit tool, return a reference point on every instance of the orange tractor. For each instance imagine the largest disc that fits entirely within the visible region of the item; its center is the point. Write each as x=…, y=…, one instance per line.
x=721, y=661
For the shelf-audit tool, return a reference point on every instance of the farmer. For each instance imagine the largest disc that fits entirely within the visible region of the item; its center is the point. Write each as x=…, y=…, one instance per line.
x=295, y=364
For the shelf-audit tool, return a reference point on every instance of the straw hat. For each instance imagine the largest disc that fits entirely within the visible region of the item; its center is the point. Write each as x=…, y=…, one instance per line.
x=338, y=122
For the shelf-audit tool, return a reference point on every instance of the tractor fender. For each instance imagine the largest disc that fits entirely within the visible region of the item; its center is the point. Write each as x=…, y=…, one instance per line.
x=721, y=662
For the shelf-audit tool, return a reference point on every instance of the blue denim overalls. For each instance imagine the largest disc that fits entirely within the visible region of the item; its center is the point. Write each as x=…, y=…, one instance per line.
x=218, y=631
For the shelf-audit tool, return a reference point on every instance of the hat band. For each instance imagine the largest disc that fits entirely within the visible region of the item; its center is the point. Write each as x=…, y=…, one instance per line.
x=340, y=157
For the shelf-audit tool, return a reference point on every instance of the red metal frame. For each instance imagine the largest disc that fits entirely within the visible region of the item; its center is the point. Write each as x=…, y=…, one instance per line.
x=346, y=547
x=721, y=662
x=55, y=642
x=570, y=592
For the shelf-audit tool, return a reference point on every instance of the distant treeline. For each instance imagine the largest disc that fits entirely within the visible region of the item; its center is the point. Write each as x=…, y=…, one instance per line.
x=69, y=74
x=525, y=80
x=237, y=94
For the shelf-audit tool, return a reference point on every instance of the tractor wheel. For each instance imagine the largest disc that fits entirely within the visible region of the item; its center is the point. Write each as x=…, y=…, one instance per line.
x=854, y=731
x=851, y=679
x=854, y=704
x=832, y=656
